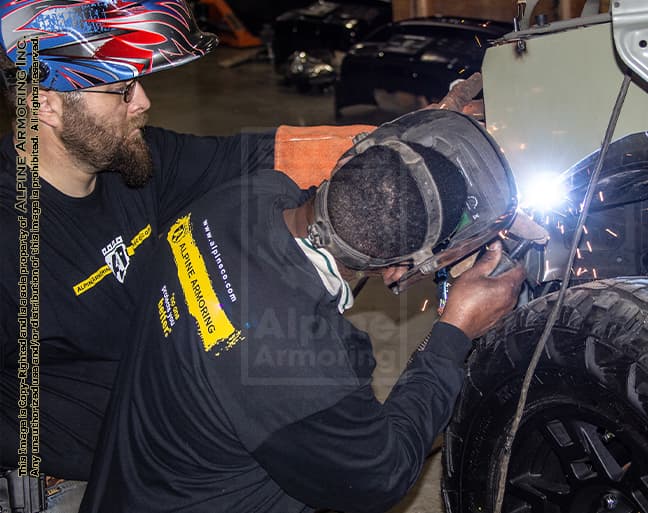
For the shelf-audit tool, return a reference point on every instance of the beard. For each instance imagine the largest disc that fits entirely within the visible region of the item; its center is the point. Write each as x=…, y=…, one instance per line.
x=99, y=146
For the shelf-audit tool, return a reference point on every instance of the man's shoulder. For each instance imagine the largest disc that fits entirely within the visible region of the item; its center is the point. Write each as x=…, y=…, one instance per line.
x=261, y=191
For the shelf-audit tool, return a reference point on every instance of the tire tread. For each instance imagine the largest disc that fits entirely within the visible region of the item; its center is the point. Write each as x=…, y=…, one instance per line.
x=602, y=328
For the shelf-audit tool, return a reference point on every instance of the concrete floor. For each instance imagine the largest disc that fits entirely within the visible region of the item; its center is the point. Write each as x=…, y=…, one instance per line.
x=206, y=99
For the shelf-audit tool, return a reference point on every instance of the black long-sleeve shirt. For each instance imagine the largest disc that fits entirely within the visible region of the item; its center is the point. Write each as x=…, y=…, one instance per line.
x=92, y=251
x=247, y=391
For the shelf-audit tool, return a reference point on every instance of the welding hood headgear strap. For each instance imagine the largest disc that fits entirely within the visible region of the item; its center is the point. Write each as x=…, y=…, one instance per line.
x=322, y=234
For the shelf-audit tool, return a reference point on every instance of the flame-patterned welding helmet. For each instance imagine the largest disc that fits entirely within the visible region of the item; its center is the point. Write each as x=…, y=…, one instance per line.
x=85, y=43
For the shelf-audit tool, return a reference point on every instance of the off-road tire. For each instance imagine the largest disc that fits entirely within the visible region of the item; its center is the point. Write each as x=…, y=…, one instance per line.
x=583, y=441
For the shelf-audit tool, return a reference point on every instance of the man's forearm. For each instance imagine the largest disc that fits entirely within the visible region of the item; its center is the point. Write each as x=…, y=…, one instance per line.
x=371, y=454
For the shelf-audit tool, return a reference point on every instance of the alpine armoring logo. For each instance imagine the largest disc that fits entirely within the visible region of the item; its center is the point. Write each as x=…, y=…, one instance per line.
x=117, y=258
x=84, y=43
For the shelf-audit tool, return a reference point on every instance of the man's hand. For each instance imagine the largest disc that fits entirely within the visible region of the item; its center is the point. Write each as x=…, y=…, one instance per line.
x=461, y=96
x=476, y=301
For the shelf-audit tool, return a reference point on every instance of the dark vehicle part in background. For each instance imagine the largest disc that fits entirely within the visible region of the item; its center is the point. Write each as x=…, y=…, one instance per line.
x=256, y=14
x=308, y=72
x=417, y=59
x=324, y=28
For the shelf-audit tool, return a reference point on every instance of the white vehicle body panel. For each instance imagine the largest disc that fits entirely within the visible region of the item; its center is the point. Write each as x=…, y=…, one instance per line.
x=549, y=106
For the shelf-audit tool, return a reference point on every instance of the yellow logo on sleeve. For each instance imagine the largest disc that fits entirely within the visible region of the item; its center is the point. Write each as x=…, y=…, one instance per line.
x=213, y=325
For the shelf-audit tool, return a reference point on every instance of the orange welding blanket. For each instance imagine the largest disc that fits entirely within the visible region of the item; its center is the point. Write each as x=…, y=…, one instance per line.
x=308, y=154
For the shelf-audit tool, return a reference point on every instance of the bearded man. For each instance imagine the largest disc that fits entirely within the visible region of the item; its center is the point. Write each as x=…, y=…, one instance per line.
x=108, y=187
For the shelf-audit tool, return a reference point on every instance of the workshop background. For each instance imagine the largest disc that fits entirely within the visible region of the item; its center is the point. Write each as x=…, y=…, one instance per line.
x=260, y=78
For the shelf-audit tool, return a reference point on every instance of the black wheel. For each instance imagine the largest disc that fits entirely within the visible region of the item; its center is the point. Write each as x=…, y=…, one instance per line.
x=583, y=441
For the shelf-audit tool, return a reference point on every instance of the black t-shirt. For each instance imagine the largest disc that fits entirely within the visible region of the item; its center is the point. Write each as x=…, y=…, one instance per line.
x=246, y=390
x=92, y=251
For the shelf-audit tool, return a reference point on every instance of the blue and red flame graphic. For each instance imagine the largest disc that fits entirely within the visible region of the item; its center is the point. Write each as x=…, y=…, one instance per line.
x=84, y=43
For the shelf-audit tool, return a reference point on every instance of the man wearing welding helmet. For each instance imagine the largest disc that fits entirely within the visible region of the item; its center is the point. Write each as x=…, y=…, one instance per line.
x=246, y=390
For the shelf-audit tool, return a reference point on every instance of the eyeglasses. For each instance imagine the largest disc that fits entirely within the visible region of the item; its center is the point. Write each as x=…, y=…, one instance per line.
x=127, y=92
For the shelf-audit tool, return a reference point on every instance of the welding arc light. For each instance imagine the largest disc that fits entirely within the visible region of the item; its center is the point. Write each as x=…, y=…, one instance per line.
x=543, y=192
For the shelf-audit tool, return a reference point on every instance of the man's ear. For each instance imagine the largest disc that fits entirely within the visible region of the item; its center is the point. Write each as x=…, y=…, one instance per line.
x=50, y=111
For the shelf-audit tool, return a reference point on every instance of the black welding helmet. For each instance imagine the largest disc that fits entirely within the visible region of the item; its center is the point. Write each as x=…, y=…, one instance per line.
x=465, y=208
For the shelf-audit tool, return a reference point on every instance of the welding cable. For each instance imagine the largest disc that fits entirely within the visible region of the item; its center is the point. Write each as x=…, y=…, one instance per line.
x=501, y=485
